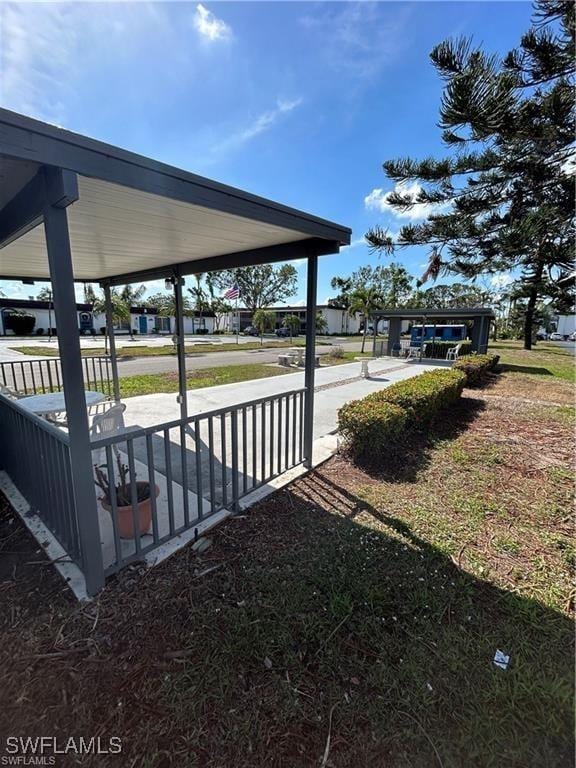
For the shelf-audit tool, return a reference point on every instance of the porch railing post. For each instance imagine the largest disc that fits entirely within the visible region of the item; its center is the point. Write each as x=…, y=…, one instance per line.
x=181, y=348
x=111, y=341
x=310, y=360
x=62, y=279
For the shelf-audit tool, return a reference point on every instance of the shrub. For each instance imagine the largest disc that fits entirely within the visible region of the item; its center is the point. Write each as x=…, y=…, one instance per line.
x=424, y=396
x=20, y=322
x=475, y=368
x=337, y=352
x=368, y=426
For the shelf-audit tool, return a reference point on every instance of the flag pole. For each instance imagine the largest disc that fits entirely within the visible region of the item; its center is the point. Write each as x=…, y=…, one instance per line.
x=237, y=322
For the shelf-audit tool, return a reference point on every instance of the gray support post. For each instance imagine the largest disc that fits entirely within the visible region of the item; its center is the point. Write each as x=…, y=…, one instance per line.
x=312, y=280
x=111, y=342
x=394, y=328
x=62, y=279
x=181, y=348
x=374, y=327
x=475, y=335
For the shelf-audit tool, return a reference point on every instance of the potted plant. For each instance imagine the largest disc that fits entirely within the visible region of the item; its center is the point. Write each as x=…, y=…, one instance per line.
x=123, y=496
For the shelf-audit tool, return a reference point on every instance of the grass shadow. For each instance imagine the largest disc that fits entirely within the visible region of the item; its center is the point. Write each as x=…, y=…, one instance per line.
x=409, y=457
x=318, y=613
x=533, y=370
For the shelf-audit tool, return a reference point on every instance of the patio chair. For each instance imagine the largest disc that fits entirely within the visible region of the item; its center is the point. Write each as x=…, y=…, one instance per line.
x=9, y=393
x=454, y=353
x=104, y=424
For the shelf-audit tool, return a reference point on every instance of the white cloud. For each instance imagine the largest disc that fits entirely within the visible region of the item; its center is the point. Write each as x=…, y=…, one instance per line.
x=209, y=26
x=358, y=38
x=263, y=122
x=380, y=201
x=37, y=48
x=501, y=280
x=355, y=243
x=48, y=52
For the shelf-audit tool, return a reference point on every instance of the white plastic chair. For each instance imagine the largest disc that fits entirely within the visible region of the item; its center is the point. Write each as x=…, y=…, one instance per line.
x=9, y=393
x=454, y=353
x=105, y=424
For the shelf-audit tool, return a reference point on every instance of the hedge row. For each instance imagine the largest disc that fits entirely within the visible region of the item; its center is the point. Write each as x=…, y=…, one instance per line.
x=475, y=367
x=369, y=426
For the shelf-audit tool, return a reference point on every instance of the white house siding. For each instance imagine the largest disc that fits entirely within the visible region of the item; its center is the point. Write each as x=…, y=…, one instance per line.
x=566, y=324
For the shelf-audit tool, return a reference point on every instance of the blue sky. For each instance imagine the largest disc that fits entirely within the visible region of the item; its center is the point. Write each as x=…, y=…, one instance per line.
x=299, y=102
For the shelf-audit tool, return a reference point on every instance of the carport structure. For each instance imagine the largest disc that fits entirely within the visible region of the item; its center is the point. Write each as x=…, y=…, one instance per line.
x=480, y=318
x=76, y=210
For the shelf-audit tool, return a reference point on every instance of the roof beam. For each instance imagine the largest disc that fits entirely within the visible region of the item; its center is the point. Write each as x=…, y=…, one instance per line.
x=299, y=249
x=28, y=139
x=26, y=209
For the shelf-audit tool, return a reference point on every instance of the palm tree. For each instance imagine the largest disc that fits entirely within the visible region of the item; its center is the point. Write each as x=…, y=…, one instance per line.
x=293, y=323
x=200, y=302
x=263, y=319
x=120, y=310
x=364, y=301
x=132, y=297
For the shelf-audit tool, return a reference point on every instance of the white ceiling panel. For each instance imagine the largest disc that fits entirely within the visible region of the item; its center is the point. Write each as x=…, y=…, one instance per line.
x=116, y=230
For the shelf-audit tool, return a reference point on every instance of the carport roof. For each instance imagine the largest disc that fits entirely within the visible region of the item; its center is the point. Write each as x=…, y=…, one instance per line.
x=464, y=313
x=133, y=218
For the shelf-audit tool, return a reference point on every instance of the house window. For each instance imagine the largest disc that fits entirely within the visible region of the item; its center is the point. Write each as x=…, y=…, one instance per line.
x=162, y=324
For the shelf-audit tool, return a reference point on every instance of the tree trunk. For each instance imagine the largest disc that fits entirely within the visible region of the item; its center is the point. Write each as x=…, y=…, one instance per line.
x=531, y=306
x=363, y=338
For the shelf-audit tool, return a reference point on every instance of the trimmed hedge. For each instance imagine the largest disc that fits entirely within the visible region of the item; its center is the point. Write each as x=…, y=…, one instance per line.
x=368, y=426
x=475, y=368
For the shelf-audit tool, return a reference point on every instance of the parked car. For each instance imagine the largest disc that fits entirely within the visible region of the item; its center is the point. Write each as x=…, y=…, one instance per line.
x=573, y=336
x=251, y=330
x=284, y=332
x=556, y=336
x=541, y=335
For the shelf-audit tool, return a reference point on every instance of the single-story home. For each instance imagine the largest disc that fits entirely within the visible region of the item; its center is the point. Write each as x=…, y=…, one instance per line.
x=143, y=320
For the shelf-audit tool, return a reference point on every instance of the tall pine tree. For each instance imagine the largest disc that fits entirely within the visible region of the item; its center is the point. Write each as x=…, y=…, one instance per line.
x=504, y=198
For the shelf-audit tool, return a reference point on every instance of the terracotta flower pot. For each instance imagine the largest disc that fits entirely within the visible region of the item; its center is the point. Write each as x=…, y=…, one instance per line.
x=125, y=519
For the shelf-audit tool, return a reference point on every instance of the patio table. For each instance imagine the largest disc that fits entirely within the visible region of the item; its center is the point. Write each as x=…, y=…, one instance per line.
x=54, y=402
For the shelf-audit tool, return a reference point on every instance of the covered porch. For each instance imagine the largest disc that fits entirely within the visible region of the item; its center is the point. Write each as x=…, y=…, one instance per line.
x=431, y=343
x=75, y=210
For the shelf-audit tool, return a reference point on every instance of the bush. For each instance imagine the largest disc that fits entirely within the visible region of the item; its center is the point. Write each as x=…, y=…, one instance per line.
x=368, y=426
x=20, y=322
x=475, y=368
x=337, y=352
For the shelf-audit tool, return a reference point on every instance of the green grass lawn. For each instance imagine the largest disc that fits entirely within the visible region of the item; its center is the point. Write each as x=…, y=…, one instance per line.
x=151, y=383
x=545, y=359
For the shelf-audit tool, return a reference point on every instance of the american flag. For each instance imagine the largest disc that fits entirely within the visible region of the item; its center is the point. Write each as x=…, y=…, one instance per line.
x=232, y=293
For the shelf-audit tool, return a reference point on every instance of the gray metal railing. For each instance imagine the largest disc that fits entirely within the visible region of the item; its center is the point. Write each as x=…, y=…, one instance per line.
x=201, y=465
x=33, y=377
x=36, y=456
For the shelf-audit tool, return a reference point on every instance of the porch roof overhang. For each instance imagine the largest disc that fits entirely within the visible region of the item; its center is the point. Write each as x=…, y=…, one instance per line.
x=132, y=218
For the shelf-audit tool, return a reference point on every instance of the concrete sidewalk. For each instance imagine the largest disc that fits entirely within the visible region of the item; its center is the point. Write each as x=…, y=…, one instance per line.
x=334, y=386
